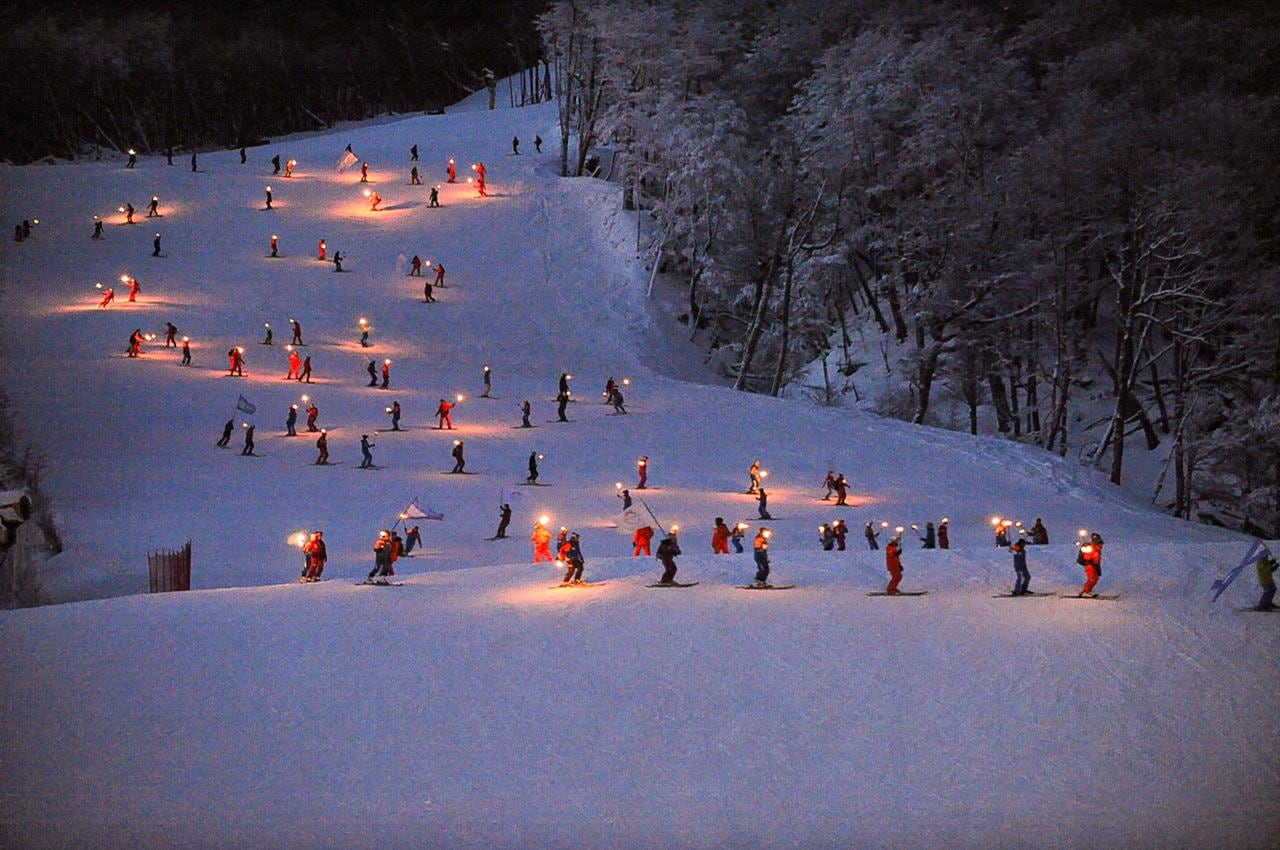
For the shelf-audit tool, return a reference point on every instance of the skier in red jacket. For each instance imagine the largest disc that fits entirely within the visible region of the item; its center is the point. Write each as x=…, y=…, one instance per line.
x=642, y=467
x=443, y=413
x=893, y=563
x=1090, y=557
x=295, y=365
x=720, y=538
x=641, y=540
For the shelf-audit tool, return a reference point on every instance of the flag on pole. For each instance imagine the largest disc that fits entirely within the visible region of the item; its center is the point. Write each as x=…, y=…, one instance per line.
x=413, y=511
x=629, y=520
x=245, y=406
x=1220, y=586
x=348, y=159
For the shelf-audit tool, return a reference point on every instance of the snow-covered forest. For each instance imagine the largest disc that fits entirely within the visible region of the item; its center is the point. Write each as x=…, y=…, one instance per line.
x=1050, y=220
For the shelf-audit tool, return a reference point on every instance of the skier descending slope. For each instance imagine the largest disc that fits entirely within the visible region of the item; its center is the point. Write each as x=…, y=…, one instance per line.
x=762, y=556
x=1021, y=584
x=572, y=554
x=668, y=549
x=504, y=520
x=720, y=537
x=541, y=538
x=893, y=563
x=1090, y=557
x=382, y=568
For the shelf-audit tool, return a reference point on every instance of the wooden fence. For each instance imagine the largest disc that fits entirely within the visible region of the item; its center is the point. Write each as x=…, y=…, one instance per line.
x=170, y=569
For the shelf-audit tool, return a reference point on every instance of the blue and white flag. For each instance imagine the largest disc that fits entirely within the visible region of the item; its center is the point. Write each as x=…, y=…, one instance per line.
x=1220, y=585
x=245, y=406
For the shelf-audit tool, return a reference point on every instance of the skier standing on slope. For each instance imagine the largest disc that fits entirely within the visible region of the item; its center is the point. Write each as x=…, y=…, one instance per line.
x=830, y=484
x=305, y=374
x=488, y=383
x=642, y=468
x=275, y=164
x=444, y=415
x=504, y=520
x=754, y=473
x=134, y=287
x=515, y=145
x=322, y=443
x=434, y=200
x=1039, y=534
x=97, y=228
x=562, y=403
x=186, y=352
x=762, y=557
x=386, y=374
x=944, y=534
x=316, y=554
x=413, y=154
x=270, y=337
x=414, y=180
x=826, y=537
x=842, y=489
x=416, y=266
x=839, y=529
x=312, y=413
x=394, y=413
x=364, y=172
x=537, y=144
x=641, y=540
x=533, y=469
x=668, y=549
x=1090, y=557
x=541, y=538
x=1022, y=581
x=720, y=538
x=128, y=213
x=763, y=498
x=871, y=534
x=381, y=560
x=617, y=402
x=412, y=540
x=737, y=535
x=297, y=332
x=524, y=415
x=1267, y=581
x=226, y=434
x=453, y=173
x=366, y=450
x=576, y=562
x=291, y=422
x=295, y=365
x=893, y=563
x=625, y=496
x=248, y=440
x=459, y=460
x=135, y=343
x=440, y=275
x=930, y=539
x=236, y=359
x=1002, y=533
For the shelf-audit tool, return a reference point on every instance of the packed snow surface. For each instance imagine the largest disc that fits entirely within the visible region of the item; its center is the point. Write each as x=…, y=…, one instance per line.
x=477, y=706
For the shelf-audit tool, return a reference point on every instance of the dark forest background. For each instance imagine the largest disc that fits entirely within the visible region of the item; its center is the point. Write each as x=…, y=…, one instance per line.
x=198, y=75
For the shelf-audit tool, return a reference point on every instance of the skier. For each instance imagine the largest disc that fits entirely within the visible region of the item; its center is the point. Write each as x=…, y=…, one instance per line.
x=366, y=450
x=1039, y=534
x=372, y=369
x=186, y=352
x=840, y=530
x=415, y=266
x=537, y=144
x=893, y=563
x=275, y=246
x=268, y=206
x=290, y=422
x=609, y=387
x=128, y=213
x=168, y=155
x=236, y=358
x=413, y=154
x=97, y=228
x=108, y=295
x=1267, y=581
x=625, y=496
x=381, y=560
x=515, y=145
x=762, y=557
x=427, y=297
x=1022, y=583
x=194, y=164
x=305, y=375
x=754, y=472
x=459, y=461
x=444, y=414
x=133, y=159
x=134, y=288
x=248, y=439
x=170, y=335
x=640, y=541
x=504, y=520
x=842, y=489
x=575, y=560
x=562, y=403
x=288, y=168
x=668, y=549
x=617, y=402
x=412, y=540
x=317, y=555
x=1002, y=533
x=295, y=365
x=720, y=538
x=386, y=374
x=394, y=410
x=533, y=469
x=944, y=535
x=323, y=445
x=524, y=415
x=267, y=340
x=320, y=250
x=541, y=537
x=871, y=534
x=275, y=164
x=930, y=540
x=153, y=207
x=364, y=172
x=337, y=261
x=826, y=537
x=453, y=174
x=439, y=274
x=434, y=201
x=763, y=499
x=830, y=483
x=244, y=155
x=642, y=468
x=488, y=383
x=413, y=177
x=1090, y=557
x=135, y=343
x=736, y=536
x=312, y=413
x=374, y=200
x=226, y=433
x=297, y=332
